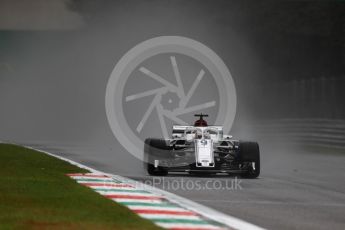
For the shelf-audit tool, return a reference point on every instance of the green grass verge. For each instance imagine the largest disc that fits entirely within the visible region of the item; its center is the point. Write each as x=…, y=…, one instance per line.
x=36, y=194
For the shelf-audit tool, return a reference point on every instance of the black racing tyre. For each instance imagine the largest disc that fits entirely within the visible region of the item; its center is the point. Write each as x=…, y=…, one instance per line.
x=159, y=144
x=155, y=149
x=250, y=152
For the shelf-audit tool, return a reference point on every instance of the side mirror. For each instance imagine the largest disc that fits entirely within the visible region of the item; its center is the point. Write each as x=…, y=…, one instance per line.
x=190, y=137
x=227, y=136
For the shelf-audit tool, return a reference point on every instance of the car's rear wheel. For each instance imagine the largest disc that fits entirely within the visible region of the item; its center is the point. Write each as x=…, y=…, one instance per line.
x=250, y=155
x=155, y=149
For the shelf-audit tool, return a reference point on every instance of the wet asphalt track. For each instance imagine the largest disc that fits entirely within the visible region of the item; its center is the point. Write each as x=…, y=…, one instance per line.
x=296, y=189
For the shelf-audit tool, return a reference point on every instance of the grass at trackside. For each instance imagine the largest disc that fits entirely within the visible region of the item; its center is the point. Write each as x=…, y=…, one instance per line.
x=36, y=194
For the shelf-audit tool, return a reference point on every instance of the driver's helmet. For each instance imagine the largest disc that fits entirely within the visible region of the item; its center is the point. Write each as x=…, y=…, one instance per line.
x=200, y=123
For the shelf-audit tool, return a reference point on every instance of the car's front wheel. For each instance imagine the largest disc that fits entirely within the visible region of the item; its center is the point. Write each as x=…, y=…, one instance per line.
x=155, y=149
x=250, y=155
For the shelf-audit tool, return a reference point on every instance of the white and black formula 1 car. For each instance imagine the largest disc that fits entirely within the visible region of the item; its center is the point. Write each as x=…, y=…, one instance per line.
x=201, y=149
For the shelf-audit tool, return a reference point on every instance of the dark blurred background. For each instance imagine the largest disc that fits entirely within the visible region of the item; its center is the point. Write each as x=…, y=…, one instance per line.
x=287, y=59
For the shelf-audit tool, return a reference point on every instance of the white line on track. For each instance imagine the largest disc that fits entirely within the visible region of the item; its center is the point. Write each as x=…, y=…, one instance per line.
x=170, y=216
x=127, y=193
x=136, y=200
x=188, y=226
x=154, y=208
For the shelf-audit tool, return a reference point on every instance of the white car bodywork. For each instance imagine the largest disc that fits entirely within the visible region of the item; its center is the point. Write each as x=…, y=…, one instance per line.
x=204, y=138
x=201, y=149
